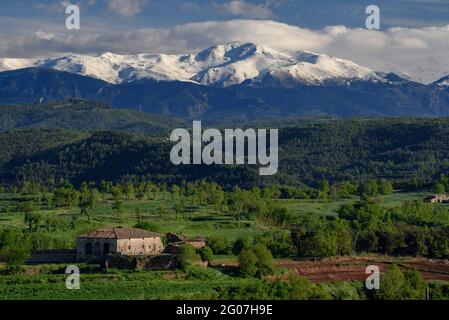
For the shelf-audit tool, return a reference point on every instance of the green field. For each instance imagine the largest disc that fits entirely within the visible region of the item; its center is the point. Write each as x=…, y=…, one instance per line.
x=196, y=219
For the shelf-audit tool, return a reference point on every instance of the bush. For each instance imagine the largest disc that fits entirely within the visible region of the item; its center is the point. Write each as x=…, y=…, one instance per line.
x=279, y=243
x=317, y=241
x=240, y=244
x=187, y=254
x=248, y=262
x=256, y=261
x=206, y=254
x=294, y=288
x=394, y=285
x=15, y=257
x=219, y=245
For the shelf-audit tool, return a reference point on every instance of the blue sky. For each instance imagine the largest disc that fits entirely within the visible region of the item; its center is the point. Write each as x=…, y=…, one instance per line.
x=413, y=40
x=308, y=14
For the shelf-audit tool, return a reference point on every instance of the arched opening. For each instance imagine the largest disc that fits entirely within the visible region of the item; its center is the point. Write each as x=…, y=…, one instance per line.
x=97, y=249
x=88, y=248
x=106, y=249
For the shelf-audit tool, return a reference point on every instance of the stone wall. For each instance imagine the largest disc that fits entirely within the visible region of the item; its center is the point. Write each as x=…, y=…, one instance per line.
x=143, y=246
x=91, y=249
x=53, y=256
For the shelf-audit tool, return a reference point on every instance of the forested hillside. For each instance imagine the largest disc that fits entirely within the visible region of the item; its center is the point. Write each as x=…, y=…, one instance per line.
x=407, y=151
x=82, y=115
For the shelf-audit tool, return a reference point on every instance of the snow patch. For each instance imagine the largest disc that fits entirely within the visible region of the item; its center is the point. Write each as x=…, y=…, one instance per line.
x=221, y=65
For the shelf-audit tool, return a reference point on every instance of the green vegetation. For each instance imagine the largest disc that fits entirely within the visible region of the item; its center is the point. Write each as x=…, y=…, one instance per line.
x=251, y=226
x=233, y=220
x=397, y=285
x=206, y=254
x=81, y=115
x=187, y=254
x=345, y=187
x=47, y=282
x=256, y=261
x=399, y=153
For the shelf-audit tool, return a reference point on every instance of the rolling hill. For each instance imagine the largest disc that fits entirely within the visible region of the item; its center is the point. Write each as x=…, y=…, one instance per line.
x=407, y=151
x=82, y=115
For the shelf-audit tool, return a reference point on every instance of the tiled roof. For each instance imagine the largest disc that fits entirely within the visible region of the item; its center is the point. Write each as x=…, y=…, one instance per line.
x=119, y=233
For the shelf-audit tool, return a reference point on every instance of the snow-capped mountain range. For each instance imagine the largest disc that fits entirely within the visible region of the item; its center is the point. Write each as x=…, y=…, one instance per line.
x=241, y=80
x=219, y=66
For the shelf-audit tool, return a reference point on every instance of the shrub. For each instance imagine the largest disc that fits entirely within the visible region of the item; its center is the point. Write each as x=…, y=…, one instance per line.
x=219, y=245
x=15, y=257
x=207, y=254
x=187, y=254
x=395, y=285
x=256, y=261
x=240, y=244
x=279, y=243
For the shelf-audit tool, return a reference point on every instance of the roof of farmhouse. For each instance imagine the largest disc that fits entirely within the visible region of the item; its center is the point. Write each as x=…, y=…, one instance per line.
x=119, y=233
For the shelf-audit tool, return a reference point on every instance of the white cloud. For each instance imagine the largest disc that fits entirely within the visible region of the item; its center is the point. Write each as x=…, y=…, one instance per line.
x=61, y=5
x=126, y=8
x=422, y=53
x=58, y=6
x=244, y=9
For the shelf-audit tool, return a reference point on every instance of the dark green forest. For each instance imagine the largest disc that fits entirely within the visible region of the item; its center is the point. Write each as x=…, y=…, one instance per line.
x=411, y=152
x=82, y=115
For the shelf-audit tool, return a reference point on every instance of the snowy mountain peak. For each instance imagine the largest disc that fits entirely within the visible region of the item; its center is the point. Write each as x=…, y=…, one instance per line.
x=220, y=65
x=236, y=62
x=312, y=68
x=442, y=83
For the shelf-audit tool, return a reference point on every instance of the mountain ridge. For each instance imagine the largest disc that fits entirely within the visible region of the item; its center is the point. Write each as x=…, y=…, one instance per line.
x=270, y=97
x=236, y=80
x=220, y=66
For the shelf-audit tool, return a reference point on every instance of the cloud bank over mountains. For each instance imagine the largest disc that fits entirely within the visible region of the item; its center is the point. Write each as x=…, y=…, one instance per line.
x=420, y=54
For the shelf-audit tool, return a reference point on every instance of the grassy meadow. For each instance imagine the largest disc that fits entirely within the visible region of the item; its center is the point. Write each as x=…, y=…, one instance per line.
x=48, y=281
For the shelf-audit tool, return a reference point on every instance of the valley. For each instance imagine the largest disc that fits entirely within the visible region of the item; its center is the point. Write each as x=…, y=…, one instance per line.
x=349, y=193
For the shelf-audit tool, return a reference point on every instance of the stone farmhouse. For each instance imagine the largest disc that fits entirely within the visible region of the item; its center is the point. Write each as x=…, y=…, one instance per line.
x=121, y=247
x=97, y=244
x=437, y=198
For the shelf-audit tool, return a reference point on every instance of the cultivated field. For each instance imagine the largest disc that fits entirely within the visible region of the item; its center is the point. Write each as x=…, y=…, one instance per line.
x=327, y=274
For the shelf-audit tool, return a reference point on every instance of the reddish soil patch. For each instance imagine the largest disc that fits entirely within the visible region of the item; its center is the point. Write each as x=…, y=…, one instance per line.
x=353, y=268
